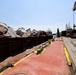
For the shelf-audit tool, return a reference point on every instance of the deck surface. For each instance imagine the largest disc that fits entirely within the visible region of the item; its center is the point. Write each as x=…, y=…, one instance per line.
x=71, y=48
x=51, y=62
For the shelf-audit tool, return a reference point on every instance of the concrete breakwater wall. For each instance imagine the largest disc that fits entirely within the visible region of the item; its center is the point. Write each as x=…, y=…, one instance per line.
x=9, y=46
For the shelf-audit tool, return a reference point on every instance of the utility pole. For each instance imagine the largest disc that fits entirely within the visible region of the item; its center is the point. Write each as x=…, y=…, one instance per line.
x=74, y=8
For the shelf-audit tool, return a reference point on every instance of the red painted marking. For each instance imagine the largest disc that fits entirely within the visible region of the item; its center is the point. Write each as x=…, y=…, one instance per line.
x=51, y=62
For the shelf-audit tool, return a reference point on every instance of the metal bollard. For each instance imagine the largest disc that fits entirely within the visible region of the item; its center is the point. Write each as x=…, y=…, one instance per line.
x=49, y=41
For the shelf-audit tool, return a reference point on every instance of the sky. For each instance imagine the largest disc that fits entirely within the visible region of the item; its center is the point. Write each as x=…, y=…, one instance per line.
x=37, y=14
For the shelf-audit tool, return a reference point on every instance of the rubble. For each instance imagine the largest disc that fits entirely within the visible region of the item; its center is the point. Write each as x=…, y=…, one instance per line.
x=34, y=33
x=20, y=31
x=11, y=33
x=42, y=33
x=39, y=33
x=23, y=33
x=6, y=31
x=28, y=32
